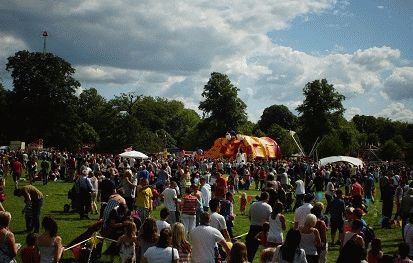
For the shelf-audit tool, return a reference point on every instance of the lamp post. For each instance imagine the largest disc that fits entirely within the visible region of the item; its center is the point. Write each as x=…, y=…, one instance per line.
x=45, y=35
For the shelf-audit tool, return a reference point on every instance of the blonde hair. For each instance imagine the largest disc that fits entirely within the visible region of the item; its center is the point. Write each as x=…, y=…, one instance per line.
x=320, y=205
x=179, y=239
x=310, y=220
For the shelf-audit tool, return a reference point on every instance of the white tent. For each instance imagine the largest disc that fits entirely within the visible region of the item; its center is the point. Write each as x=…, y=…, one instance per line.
x=133, y=154
x=347, y=159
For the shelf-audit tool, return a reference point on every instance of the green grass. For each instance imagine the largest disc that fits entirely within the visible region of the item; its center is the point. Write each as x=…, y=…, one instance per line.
x=70, y=226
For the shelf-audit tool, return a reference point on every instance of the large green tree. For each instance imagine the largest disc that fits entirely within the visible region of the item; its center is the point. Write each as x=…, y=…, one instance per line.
x=43, y=97
x=321, y=111
x=5, y=116
x=222, y=109
x=277, y=114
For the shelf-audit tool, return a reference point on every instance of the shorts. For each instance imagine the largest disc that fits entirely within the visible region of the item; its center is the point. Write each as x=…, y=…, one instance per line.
x=336, y=224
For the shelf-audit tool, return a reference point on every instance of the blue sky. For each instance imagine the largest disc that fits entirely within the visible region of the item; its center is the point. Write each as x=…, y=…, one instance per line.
x=269, y=49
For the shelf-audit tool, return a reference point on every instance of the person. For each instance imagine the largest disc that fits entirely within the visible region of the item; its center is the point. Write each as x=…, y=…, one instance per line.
x=170, y=198
x=330, y=192
x=258, y=214
x=238, y=253
x=337, y=209
x=262, y=236
x=129, y=183
x=220, y=186
x=226, y=209
x=161, y=223
x=30, y=253
x=406, y=206
x=310, y=239
x=204, y=241
x=267, y=254
x=8, y=246
x=408, y=234
x=17, y=170
x=299, y=193
x=32, y=195
x=321, y=226
x=106, y=188
x=277, y=225
x=403, y=251
x=180, y=242
x=144, y=199
x=375, y=253
x=95, y=187
x=148, y=236
x=353, y=249
x=290, y=251
x=301, y=212
x=217, y=220
x=49, y=243
x=83, y=188
x=354, y=233
x=205, y=193
x=243, y=203
x=128, y=243
x=189, y=204
x=162, y=252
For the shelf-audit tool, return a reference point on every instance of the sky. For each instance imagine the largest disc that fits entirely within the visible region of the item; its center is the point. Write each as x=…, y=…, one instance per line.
x=268, y=49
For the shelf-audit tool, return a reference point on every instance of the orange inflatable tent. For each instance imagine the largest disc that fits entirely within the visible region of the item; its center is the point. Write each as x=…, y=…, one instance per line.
x=253, y=147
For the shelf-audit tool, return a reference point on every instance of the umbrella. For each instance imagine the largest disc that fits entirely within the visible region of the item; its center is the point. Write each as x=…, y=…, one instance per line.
x=134, y=154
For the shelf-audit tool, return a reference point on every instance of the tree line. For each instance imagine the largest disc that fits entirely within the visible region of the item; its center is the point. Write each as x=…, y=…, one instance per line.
x=43, y=103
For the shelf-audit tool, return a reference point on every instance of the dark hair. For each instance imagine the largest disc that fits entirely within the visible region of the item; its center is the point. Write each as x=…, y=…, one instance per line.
x=403, y=250
x=266, y=227
x=164, y=213
x=204, y=218
x=165, y=238
x=18, y=192
x=149, y=230
x=50, y=225
x=376, y=246
x=277, y=208
x=31, y=239
x=264, y=196
x=228, y=195
x=339, y=192
x=213, y=204
x=316, y=210
x=308, y=198
x=238, y=253
x=291, y=244
x=356, y=225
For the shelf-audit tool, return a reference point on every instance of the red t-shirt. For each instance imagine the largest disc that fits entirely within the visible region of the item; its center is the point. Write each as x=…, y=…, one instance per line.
x=356, y=189
x=17, y=167
x=221, y=186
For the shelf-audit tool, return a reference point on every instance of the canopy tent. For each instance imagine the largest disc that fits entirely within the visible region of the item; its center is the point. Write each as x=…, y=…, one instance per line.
x=347, y=159
x=133, y=154
x=253, y=147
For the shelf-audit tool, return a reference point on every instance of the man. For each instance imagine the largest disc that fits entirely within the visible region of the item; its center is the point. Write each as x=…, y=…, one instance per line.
x=17, y=169
x=356, y=189
x=107, y=188
x=217, y=220
x=144, y=199
x=34, y=197
x=337, y=210
x=205, y=193
x=204, y=241
x=299, y=193
x=83, y=188
x=170, y=197
x=258, y=214
x=406, y=207
x=221, y=186
x=302, y=212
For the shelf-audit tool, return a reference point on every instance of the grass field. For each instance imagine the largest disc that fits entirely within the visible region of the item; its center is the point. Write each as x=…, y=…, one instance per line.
x=70, y=226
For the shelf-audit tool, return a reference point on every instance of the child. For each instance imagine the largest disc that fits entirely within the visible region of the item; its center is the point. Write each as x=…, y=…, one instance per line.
x=263, y=235
x=128, y=243
x=403, y=254
x=243, y=203
x=30, y=254
x=375, y=253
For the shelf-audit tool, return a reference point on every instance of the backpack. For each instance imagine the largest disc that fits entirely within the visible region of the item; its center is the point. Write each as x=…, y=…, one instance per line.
x=351, y=252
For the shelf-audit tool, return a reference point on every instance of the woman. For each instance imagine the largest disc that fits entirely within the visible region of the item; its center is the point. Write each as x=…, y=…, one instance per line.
x=49, y=243
x=8, y=248
x=322, y=230
x=148, y=236
x=310, y=239
x=180, y=243
x=188, y=213
x=162, y=252
x=95, y=185
x=277, y=225
x=238, y=253
x=290, y=251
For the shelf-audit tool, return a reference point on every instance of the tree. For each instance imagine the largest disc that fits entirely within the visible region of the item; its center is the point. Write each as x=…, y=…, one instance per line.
x=43, y=96
x=277, y=114
x=283, y=138
x=320, y=111
x=391, y=151
x=4, y=115
x=221, y=107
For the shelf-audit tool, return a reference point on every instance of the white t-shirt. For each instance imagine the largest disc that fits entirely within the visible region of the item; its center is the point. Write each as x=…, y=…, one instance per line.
x=330, y=189
x=204, y=239
x=169, y=195
x=218, y=221
x=299, y=190
x=161, y=225
x=160, y=255
x=301, y=213
x=206, y=194
x=259, y=213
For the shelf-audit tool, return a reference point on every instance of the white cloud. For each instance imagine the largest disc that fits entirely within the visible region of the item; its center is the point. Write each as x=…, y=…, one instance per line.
x=380, y=7
x=351, y=112
x=397, y=111
x=399, y=85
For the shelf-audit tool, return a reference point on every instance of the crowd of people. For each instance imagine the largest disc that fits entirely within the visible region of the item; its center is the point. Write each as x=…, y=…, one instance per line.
x=197, y=199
